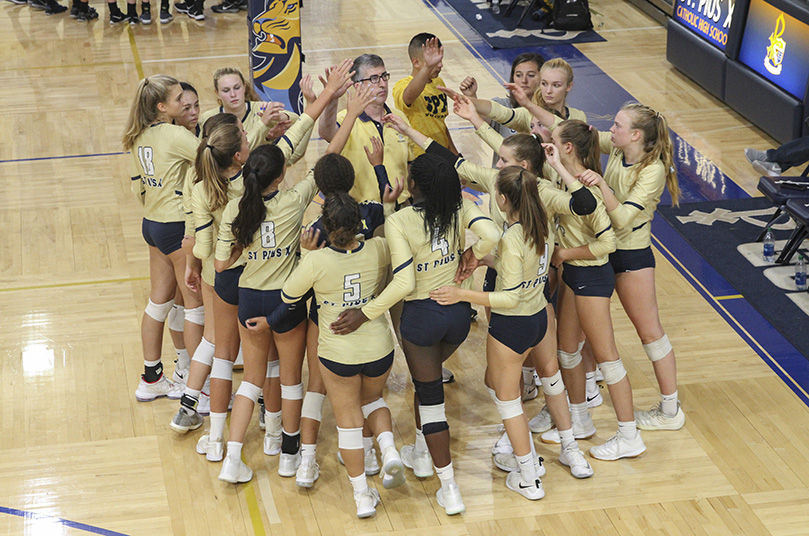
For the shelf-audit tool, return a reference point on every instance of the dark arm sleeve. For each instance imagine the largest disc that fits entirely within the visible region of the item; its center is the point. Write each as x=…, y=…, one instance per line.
x=439, y=150
x=382, y=179
x=583, y=202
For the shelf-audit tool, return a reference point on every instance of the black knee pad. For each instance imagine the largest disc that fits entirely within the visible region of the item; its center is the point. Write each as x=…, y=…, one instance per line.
x=431, y=406
x=430, y=393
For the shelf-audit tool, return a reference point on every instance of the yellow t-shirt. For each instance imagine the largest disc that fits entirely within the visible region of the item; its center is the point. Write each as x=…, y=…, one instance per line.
x=161, y=157
x=366, y=186
x=521, y=275
x=274, y=251
x=343, y=280
x=421, y=264
x=427, y=113
x=638, y=192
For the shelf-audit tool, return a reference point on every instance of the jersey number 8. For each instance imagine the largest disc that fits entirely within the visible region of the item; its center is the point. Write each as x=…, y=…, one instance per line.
x=267, y=234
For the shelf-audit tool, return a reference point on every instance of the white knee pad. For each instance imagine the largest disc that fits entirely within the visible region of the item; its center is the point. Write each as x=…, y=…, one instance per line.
x=204, y=353
x=159, y=311
x=222, y=369
x=371, y=407
x=292, y=392
x=432, y=415
x=176, y=318
x=349, y=438
x=658, y=349
x=196, y=315
x=248, y=390
x=567, y=360
x=553, y=385
x=613, y=371
x=313, y=406
x=274, y=369
x=510, y=408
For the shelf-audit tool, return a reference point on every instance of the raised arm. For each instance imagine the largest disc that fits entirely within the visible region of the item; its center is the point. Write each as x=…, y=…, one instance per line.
x=432, y=55
x=362, y=96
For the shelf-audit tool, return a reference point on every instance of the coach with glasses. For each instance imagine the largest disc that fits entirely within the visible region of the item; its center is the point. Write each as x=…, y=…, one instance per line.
x=370, y=69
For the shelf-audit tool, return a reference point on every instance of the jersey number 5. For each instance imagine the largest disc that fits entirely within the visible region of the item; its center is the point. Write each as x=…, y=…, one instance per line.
x=267, y=234
x=145, y=155
x=352, y=287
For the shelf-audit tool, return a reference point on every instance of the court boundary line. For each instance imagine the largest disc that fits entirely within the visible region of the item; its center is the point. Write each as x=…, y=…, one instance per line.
x=25, y=514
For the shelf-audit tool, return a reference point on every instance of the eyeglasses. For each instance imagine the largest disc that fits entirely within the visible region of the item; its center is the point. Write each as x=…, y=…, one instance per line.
x=376, y=78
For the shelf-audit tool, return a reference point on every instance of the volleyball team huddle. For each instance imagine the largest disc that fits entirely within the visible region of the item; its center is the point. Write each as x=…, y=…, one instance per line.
x=233, y=275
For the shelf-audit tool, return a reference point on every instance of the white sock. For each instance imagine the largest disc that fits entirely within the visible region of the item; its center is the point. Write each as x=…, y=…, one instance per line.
x=217, y=426
x=385, y=440
x=308, y=451
x=234, y=450
x=359, y=483
x=567, y=437
x=367, y=443
x=590, y=376
x=272, y=422
x=421, y=443
x=578, y=411
x=191, y=392
x=446, y=475
x=183, y=359
x=151, y=363
x=527, y=468
x=627, y=429
x=528, y=375
x=668, y=403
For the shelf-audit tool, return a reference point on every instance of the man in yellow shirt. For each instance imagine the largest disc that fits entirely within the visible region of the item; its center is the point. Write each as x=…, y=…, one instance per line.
x=418, y=97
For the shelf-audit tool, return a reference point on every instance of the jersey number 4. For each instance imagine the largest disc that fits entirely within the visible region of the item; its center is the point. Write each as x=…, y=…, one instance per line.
x=352, y=287
x=267, y=234
x=145, y=155
x=543, y=262
x=440, y=244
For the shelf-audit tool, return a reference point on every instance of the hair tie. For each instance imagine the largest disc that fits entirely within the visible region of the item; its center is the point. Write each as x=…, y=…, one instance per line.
x=590, y=128
x=146, y=81
x=209, y=147
x=657, y=117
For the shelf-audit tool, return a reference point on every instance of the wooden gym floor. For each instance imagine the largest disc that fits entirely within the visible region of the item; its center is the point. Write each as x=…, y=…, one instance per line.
x=79, y=455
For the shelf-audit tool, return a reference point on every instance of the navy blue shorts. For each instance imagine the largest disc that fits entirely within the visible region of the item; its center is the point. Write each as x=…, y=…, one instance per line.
x=596, y=281
x=489, y=280
x=519, y=333
x=226, y=285
x=630, y=260
x=374, y=369
x=425, y=322
x=167, y=237
x=253, y=303
x=313, y=307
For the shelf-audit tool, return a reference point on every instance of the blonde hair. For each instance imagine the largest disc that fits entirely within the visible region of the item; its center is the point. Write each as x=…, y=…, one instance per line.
x=584, y=139
x=656, y=144
x=151, y=91
x=555, y=63
x=221, y=140
x=249, y=91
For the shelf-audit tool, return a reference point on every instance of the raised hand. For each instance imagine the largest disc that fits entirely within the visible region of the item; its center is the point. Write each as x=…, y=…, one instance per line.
x=463, y=107
x=271, y=112
x=377, y=152
x=396, y=123
x=590, y=178
x=469, y=86
x=308, y=89
x=518, y=93
x=339, y=77
x=360, y=98
x=391, y=195
x=552, y=155
x=310, y=238
x=452, y=94
x=432, y=53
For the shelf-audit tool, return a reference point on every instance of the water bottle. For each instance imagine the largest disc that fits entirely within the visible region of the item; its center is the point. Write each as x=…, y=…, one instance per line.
x=769, y=246
x=800, y=273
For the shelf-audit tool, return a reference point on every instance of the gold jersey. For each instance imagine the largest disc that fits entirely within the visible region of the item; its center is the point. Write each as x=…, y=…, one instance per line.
x=274, y=250
x=251, y=121
x=342, y=280
x=422, y=264
x=161, y=157
x=638, y=192
x=593, y=230
x=427, y=113
x=519, y=119
x=521, y=275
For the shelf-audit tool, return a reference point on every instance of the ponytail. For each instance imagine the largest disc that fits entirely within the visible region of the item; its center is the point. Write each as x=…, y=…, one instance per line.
x=221, y=140
x=519, y=187
x=151, y=91
x=341, y=219
x=656, y=144
x=263, y=167
x=439, y=182
x=585, y=141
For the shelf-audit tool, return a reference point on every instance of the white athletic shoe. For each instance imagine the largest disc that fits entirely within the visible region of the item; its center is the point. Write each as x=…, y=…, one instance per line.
x=618, y=447
x=235, y=471
x=204, y=405
x=447, y=376
x=581, y=430
x=288, y=464
x=371, y=463
x=529, y=391
x=420, y=462
x=655, y=419
x=542, y=422
x=508, y=463
x=183, y=422
x=308, y=471
x=593, y=393
x=573, y=457
x=502, y=445
x=146, y=392
x=180, y=376
x=450, y=499
x=393, y=472
x=272, y=443
x=366, y=503
x=213, y=450
x=532, y=491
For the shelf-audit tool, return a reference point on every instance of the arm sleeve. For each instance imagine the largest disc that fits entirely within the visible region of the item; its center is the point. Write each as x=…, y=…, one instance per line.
x=203, y=225
x=605, y=236
x=294, y=142
x=490, y=136
x=477, y=177
x=404, y=273
x=604, y=142
x=579, y=200
x=185, y=145
x=518, y=119
x=306, y=189
x=188, y=188
x=225, y=240
x=382, y=179
x=439, y=150
x=483, y=227
x=300, y=280
x=509, y=268
x=650, y=182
